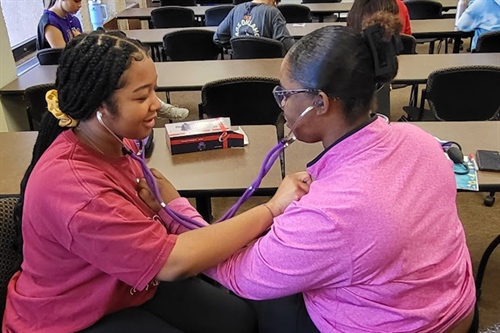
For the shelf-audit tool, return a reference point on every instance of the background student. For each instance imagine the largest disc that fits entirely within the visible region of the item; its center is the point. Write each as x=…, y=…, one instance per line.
x=58, y=24
x=365, y=9
x=254, y=18
x=481, y=16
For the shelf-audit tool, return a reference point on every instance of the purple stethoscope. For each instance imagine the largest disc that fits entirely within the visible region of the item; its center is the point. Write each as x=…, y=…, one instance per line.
x=188, y=222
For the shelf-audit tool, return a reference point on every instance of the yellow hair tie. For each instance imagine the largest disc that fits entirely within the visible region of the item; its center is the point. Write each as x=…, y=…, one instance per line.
x=53, y=106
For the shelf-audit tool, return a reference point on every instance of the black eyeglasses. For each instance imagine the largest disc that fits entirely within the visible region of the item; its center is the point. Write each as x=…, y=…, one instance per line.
x=281, y=94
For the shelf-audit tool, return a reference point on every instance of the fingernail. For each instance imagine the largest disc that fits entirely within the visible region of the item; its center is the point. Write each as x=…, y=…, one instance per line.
x=137, y=180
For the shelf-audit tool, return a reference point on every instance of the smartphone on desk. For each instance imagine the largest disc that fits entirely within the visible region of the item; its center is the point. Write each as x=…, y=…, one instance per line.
x=488, y=160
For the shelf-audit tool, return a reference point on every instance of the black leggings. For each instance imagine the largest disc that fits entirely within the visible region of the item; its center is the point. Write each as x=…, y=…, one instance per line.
x=283, y=315
x=193, y=305
x=188, y=306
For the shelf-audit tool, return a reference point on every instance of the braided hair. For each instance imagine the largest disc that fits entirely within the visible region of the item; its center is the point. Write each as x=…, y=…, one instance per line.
x=89, y=72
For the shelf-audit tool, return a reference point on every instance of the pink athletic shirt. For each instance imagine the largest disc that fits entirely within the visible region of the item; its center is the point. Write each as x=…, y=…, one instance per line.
x=375, y=246
x=91, y=245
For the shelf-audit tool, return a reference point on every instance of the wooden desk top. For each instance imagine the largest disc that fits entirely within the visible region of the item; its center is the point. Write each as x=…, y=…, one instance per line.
x=416, y=68
x=192, y=75
x=218, y=172
x=471, y=135
x=215, y=172
x=316, y=8
x=420, y=28
x=16, y=150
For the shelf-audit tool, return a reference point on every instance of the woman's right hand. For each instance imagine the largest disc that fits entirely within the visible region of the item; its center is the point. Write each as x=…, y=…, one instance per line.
x=292, y=188
x=167, y=191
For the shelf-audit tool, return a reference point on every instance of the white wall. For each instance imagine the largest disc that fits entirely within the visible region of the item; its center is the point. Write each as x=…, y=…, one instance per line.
x=21, y=25
x=7, y=67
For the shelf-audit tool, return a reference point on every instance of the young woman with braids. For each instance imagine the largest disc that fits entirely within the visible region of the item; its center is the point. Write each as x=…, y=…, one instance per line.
x=374, y=246
x=94, y=253
x=58, y=25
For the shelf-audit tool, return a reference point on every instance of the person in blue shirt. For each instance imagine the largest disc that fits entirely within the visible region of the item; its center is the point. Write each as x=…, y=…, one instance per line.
x=481, y=16
x=254, y=18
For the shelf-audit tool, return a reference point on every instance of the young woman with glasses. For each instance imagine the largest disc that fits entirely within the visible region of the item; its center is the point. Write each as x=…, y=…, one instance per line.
x=376, y=245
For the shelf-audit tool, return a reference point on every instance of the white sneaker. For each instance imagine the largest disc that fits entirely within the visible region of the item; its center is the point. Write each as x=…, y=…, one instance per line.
x=172, y=112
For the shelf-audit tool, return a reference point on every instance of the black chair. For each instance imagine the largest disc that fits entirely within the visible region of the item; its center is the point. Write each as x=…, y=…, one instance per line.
x=173, y=17
x=49, y=56
x=322, y=15
x=452, y=97
x=321, y=1
x=212, y=2
x=482, y=265
x=9, y=258
x=190, y=44
x=295, y=13
x=488, y=42
x=164, y=3
x=426, y=10
x=409, y=44
x=231, y=98
x=215, y=15
x=251, y=47
x=36, y=104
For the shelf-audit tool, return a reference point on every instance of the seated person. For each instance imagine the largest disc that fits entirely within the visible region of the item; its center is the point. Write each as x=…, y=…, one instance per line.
x=95, y=257
x=58, y=24
x=481, y=16
x=375, y=245
x=362, y=9
x=254, y=18
x=405, y=17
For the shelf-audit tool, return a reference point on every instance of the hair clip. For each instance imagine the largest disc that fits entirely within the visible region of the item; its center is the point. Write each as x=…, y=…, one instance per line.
x=384, y=53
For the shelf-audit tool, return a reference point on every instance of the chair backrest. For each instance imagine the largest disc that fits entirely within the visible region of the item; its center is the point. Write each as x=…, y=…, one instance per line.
x=9, y=258
x=424, y=9
x=36, y=104
x=251, y=47
x=177, y=3
x=488, y=42
x=321, y=1
x=49, y=56
x=212, y=2
x=173, y=17
x=215, y=15
x=246, y=100
x=190, y=44
x=409, y=44
x=464, y=93
x=237, y=2
x=295, y=13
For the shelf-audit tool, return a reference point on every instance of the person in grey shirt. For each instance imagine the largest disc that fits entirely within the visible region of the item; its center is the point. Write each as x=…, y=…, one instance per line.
x=254, y=18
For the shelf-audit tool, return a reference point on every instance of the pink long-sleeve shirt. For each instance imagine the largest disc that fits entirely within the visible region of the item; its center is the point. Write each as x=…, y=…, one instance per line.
x=375, y=246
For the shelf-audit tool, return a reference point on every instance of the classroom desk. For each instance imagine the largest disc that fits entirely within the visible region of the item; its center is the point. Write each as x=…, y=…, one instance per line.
x=471, y=135
x=438, y=28
x=200, y=175
x=192, y=75
x=318, y=9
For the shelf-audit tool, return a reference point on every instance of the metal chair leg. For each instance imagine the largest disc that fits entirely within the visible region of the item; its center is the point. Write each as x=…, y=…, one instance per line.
x=482, y=265
x=489, y=200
